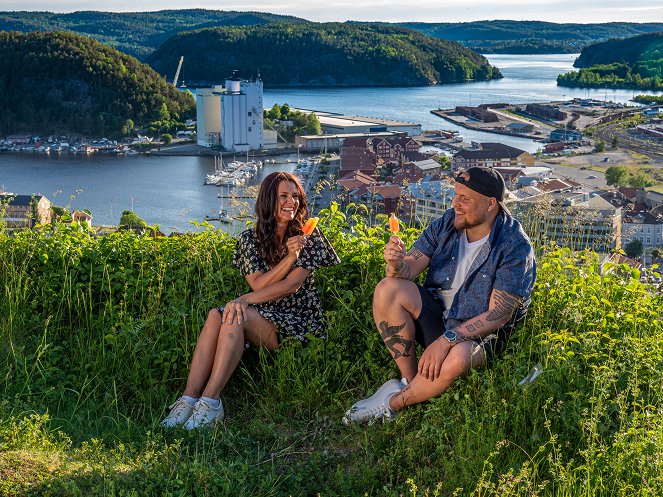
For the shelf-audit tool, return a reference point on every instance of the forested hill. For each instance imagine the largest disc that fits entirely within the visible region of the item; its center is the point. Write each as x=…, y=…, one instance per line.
x=56, y=83
x=330, y=54
x=635, y=62
x=134, y=33
x=526, y=37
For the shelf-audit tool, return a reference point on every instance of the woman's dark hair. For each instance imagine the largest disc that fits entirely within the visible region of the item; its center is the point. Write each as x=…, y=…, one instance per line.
x=269, y=249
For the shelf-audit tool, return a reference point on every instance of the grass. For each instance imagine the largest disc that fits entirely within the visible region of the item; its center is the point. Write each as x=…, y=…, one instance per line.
x=97, y=333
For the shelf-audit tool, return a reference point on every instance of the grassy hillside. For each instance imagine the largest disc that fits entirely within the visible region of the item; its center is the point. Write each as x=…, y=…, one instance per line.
x=134, y=33
x=635, y=62
x=322, y=55
x=56, y=83
x=96, y=336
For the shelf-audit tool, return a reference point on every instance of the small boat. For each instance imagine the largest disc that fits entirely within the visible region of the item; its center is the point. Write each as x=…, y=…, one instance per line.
x=224, y=217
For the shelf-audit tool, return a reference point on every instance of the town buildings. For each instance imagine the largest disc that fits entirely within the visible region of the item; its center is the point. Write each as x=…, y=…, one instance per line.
x=24, y=211
x=491, y=155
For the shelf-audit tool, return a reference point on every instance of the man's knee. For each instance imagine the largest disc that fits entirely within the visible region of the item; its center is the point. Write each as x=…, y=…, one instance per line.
x=392, y=289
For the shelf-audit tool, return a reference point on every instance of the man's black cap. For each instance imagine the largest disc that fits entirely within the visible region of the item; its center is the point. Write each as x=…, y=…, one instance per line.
x=486, y=181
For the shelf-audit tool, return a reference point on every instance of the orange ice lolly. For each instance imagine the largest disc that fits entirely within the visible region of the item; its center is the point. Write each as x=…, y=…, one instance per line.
x=310, y=225
x=393, y=223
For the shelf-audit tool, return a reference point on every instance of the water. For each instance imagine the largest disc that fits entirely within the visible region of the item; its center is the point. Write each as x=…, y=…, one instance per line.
x=169, y=191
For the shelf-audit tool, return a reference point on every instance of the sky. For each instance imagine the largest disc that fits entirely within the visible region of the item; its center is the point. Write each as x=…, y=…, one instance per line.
x=583, y=11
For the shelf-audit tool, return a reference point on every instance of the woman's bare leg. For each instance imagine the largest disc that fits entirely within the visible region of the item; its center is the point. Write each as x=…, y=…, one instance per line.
x=230, y=345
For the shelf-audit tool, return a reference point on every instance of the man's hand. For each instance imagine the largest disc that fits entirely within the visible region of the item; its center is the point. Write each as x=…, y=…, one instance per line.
x=394, y=254
x=431, y=360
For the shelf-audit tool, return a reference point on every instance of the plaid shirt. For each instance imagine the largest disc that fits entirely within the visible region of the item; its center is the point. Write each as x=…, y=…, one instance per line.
x=506, y=262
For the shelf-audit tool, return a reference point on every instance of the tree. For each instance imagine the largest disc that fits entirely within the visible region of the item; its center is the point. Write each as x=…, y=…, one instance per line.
x=132, y=220
x=166, y=138
x=128, y=127
x=600, y=146
x=617, y=176
x=656, y=253
x=443, y=161
x=633, y=248
x=640, y=180
x=274, y=113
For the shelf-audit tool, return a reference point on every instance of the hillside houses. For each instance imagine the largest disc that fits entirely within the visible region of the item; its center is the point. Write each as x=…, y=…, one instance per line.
x=24, y=211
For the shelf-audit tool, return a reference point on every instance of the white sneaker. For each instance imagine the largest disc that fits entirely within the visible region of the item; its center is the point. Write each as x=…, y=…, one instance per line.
x=376, y=407
x=204, y=415
x=180, y=411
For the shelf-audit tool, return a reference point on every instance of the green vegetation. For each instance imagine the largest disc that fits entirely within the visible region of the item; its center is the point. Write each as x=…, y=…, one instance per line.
x=97, y=334
x=140, y=33
x=635, y=62
x=132, y=220
x=62, y=83
x=633, y=248
x=302, y=123
x=621, y=176
x=322, y=55
x=135, y=33
x=530, y=37
x=649, y=99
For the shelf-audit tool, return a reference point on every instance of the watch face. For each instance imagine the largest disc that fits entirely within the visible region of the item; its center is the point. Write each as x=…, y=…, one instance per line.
x=450, y=335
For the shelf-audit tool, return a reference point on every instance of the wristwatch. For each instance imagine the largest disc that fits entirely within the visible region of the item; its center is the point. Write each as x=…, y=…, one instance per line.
x=451, y=336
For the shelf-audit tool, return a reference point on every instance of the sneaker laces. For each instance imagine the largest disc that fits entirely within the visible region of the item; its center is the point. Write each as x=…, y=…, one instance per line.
x=178, y=406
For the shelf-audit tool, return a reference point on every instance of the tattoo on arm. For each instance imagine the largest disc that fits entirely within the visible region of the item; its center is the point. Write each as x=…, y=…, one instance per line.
x=403, y=271
x=415, y=254
x=392, y=338
x=505, y=305
x=475, y=326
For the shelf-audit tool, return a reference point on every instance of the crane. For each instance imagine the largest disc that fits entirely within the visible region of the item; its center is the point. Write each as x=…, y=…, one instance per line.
x=177, y=73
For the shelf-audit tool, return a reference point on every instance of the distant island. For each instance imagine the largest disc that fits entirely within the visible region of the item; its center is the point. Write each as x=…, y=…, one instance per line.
x=140, y=33
x=63, y=83
x=633, y=63
x=530, y=37
x=331, y=54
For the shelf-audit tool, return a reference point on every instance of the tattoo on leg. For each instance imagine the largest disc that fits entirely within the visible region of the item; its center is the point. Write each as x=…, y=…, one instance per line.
x=415, y=254
x=392, y=338
x=505, y=305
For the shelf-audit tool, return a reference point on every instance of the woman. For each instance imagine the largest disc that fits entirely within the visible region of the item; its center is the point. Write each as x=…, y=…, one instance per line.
x=277, y=261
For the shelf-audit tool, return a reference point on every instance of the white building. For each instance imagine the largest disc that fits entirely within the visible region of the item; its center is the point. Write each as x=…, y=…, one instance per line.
x=427, y=200
x=230, y=116
x=643, y=226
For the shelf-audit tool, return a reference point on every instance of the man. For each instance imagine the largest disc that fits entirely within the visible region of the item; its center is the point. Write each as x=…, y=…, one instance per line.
x=481, y=273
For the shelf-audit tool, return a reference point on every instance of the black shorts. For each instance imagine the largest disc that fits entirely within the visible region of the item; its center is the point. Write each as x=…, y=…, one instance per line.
x=430, y=325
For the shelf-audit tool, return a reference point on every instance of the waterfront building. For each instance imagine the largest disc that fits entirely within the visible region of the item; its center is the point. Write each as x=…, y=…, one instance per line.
x=491, y=155
x=332, y=123
x=362, y=153
x=24, y=211
x=230, y=116
x=565, y=135
x=311, y=143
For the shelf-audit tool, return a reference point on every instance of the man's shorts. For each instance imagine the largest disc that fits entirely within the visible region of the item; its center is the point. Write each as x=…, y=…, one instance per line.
x=430, y=326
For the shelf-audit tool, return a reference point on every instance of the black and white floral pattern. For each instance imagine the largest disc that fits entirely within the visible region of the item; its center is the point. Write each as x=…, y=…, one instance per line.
x=301, y=313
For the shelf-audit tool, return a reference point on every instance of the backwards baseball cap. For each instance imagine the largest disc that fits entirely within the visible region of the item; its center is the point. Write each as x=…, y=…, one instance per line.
x=486, y=181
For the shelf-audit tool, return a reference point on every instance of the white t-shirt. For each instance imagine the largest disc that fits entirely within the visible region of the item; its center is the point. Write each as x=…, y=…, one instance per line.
x=467, y=252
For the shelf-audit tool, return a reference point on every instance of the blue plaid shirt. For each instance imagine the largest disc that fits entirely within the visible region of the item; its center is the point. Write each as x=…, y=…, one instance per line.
x=506, y=262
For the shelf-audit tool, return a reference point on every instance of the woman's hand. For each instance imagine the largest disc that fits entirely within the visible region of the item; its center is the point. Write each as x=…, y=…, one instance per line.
x=235, y=311
x=295, y=244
